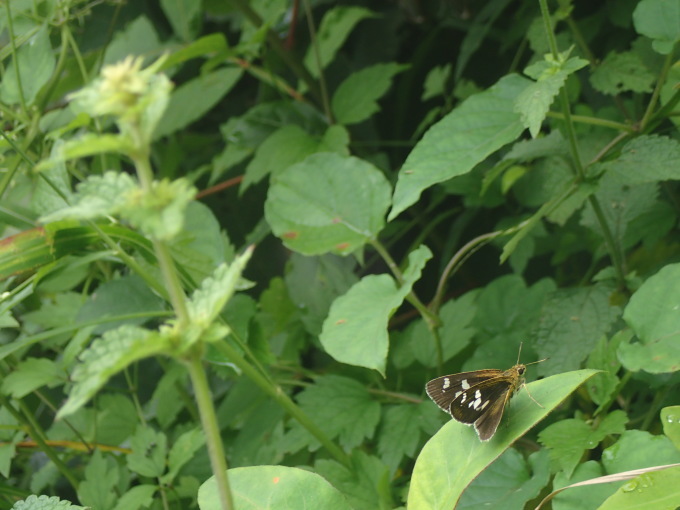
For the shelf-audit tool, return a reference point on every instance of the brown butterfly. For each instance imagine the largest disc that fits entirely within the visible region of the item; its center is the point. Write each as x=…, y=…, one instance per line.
x=478, y=397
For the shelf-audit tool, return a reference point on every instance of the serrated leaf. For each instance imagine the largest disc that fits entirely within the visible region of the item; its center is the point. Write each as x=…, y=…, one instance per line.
x=455, y=456
x=366, y=484
x=568, y=439
x=327, y=203
x=334, y=29
x=159, y=211
x=481, y=125
x=207, y=301
x=571, y=322
x=533, y=103
x=399, y=434
x=98, y=195
x=647, y=158
x=97, y=490
x=149, y=449
x=45, y=503
x=107, y=356
x=652, y=313
x=31, y=374
x=182, y=451
x=342, y=407
x=622, y=72
x=355, y=330
x=355, y=99
x=659, y=20
x=274, y=488
x=139, y=496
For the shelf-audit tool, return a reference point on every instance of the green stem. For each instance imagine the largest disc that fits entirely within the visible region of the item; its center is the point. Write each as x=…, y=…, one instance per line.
x=213, y=439
x=35, y=431
x=15, y=56
x=283, y=400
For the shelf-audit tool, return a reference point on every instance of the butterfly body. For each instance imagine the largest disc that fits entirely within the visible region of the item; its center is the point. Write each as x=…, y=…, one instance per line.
x=477, y=398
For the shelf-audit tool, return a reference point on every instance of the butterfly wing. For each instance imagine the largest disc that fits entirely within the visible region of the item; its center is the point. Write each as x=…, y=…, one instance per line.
x=445, y=389
x=482, y=399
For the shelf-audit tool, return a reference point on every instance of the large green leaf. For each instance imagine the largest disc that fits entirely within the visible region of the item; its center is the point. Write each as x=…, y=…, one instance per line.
x=652, y=313
x=274, y=488
x=327, y=203
x=481, y=125
x=355, y=330
x=659, y=20
x=455, y=456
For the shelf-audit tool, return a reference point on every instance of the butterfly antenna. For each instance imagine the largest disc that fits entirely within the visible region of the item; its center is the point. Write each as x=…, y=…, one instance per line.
x=520, y=352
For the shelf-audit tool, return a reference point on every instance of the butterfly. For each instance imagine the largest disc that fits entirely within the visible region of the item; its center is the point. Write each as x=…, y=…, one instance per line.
x=479, y=397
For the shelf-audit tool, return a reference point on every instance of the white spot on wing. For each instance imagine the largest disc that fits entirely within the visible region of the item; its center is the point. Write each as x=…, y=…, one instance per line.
x=465, y=384
x=447, y=383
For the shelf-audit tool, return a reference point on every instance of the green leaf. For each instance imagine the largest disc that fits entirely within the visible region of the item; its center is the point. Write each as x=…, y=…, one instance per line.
x=128, y=295
x=31, y=374
x=342, y=407
x=313, y=283
x=455, y=456
x=399, y=434
x=184, y=16
x=274, y=488
x=139, y=496
x=435, y=82
x=481, y=125
x=86, y=145
x=366, y=485
x=327, y=203
x=45, y=503
x=355, y=99
x=36, y=62
x=207, y=302
x=288, y=145
x=182, y=451
x=572, y=320
x=602, y=387
x=647, y=158
x=638, y=449
x=53, y=189
x=149, y=449
x=533, y=103
x=193, y=99
x=659, y=20
x=652, y=313
x=622, y=72
x=577, y=498
x=98, y=195
x=355, y=331
x=455, y=333
x=334, y=29
x=159, y=211
x=97, y=490
x=138, y=38
x=567, y=440
x=656, y=490
x=508, y=483
x=107, y=356
x=670, y=420
x=213, y=43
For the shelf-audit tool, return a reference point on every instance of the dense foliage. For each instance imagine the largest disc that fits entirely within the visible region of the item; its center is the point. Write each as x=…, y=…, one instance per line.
x=240, y=237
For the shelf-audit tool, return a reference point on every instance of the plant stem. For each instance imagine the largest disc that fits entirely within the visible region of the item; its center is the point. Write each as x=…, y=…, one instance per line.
x=284, y=401
x=34, y=430
x=213, y=439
